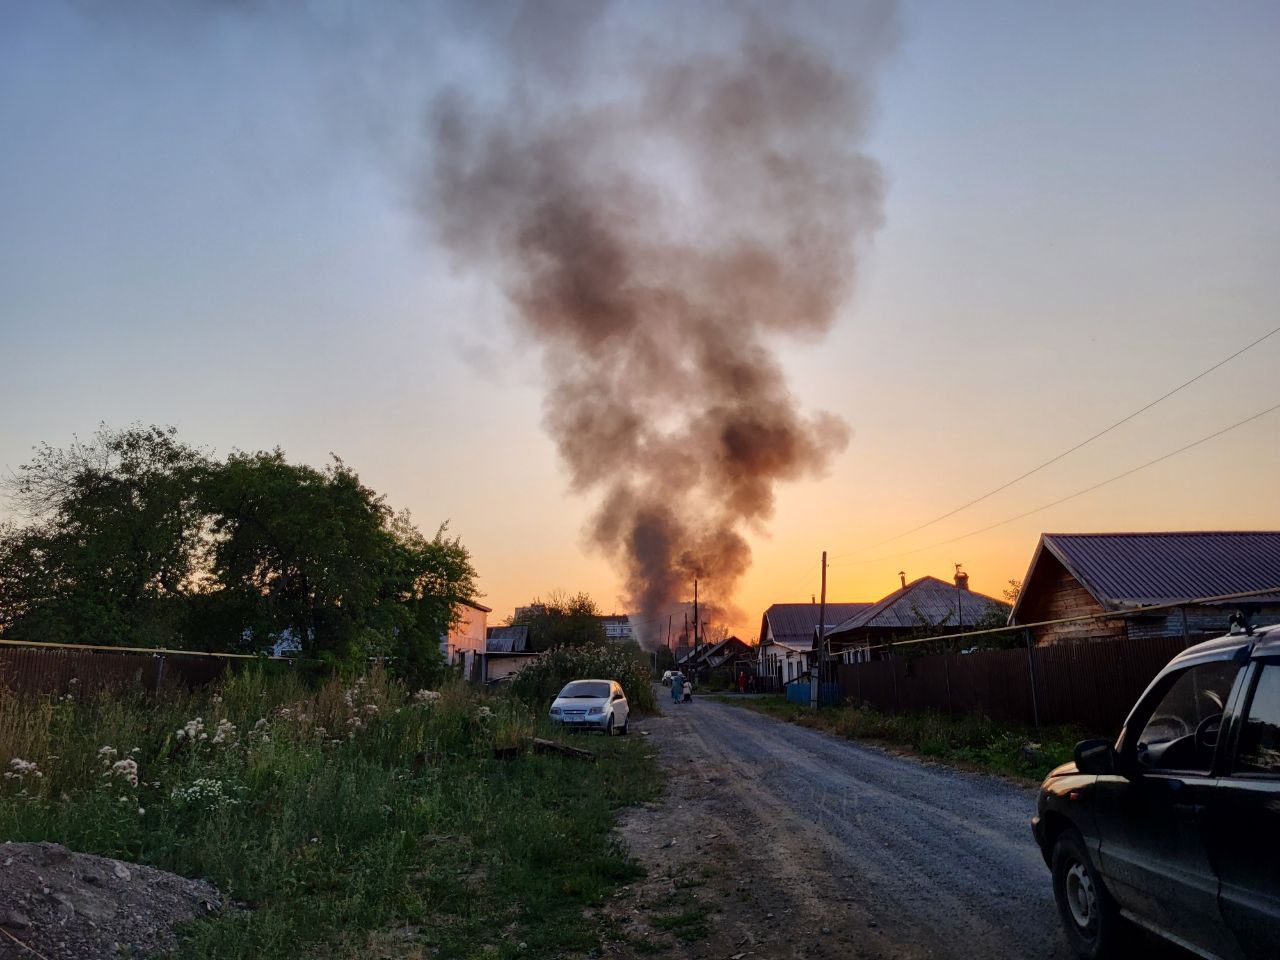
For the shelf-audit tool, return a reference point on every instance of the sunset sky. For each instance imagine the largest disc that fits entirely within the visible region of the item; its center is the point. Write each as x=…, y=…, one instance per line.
x=210, y=220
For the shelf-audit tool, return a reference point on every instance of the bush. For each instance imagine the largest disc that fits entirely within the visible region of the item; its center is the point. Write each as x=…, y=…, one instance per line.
x=539, y=682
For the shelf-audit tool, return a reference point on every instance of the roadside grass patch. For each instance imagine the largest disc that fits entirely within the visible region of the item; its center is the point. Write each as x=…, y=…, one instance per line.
x=971, y=741
x=347, y=819
x=689, y=924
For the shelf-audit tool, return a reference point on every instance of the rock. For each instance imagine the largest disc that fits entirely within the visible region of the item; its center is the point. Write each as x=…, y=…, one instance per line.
x=60, y=908
x=15, y=920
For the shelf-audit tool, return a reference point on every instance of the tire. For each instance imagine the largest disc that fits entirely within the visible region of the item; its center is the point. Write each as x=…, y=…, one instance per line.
x=1090, y=918
x=608, y=727
x=622, y=730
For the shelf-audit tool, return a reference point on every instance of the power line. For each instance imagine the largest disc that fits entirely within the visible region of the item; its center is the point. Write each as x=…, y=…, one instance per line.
x=1083, y=443
x=1079, y=493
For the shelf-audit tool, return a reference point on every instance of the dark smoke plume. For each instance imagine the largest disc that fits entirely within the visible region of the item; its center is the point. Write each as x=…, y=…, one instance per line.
x=658, y=211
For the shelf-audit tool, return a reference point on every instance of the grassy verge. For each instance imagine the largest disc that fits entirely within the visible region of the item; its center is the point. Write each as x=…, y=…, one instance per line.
x=351, y=821
x=972, y=742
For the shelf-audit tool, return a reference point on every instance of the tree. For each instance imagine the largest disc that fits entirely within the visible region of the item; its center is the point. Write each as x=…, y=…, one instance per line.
x=317, y=554
x=109, y=552
x=137, y=539
x=562, y=621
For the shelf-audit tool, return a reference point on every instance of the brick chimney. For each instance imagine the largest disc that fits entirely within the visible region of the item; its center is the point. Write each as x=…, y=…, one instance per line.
x=902, y=575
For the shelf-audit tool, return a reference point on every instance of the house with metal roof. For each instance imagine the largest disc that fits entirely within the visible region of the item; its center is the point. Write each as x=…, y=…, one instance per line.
x=923, y=606
x=785, y=647
x=1078, y=574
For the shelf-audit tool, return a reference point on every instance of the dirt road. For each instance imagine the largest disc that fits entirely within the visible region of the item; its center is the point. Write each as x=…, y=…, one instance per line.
x=775, y=841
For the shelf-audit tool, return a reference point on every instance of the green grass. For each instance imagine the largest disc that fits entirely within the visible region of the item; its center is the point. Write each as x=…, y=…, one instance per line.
x=380, y=826
x=974, y=742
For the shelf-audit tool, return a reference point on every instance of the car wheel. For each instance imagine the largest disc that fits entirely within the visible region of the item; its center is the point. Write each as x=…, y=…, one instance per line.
x=608, y=727
x=622, y=730
x=1090, y=918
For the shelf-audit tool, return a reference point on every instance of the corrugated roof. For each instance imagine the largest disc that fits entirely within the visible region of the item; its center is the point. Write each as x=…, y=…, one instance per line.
x=793, y=624
x=507, y=639
x=1136, y=569
x=924, y=602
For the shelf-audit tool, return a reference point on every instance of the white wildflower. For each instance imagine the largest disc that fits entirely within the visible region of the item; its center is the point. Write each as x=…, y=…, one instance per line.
x=225, y=733
x=106, y=754
x=20, y=769
x=127, y=770
x=484, y=713
x=192, y=730
x=427, y=696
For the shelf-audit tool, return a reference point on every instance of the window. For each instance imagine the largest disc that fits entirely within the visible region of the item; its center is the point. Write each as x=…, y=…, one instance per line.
x=1182, y=731
x=1260, y=736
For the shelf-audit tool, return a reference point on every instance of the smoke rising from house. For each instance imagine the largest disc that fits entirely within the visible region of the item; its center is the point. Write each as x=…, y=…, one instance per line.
x=661, y=212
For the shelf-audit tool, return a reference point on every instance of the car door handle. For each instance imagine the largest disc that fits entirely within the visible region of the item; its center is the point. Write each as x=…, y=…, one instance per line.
x=1190, y=811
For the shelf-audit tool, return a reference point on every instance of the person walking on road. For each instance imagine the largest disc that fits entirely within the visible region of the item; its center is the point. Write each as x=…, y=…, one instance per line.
x=688, y=692
x=677, y=687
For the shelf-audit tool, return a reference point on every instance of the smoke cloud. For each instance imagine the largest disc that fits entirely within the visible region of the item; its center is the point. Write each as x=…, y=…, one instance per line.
x=661, y=207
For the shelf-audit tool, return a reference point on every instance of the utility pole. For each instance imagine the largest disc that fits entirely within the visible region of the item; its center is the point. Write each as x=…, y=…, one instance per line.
x=695, y=614
x=669, y=633
x=815, y=673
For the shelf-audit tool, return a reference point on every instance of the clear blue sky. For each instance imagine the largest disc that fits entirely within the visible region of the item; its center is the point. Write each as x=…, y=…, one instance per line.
x=206, y=219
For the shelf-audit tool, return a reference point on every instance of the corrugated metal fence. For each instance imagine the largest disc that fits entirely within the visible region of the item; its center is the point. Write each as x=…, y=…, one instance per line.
x=1090, y=684
x=43, y=670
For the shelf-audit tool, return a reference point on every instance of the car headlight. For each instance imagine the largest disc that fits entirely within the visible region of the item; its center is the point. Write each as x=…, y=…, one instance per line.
x=596, y=712
x=555, y=711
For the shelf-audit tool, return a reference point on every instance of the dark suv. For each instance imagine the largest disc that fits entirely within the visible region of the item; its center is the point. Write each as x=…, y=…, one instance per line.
x=1176, y=826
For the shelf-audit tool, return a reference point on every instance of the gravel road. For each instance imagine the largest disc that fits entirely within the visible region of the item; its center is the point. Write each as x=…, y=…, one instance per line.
x=840, y=849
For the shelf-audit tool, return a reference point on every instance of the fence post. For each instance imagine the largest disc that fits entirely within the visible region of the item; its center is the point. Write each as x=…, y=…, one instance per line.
x=858, y=670
x=893, y=672
x=159, y=670
x=946, y=670
x=1031, y=671
x=1186, y=633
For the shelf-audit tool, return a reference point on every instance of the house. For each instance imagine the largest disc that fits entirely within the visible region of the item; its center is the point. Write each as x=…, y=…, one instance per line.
x=506, y=652
x=710, y=657
x=786, y=636
x=466, y=638
x=926, y=605
x=1075, y=574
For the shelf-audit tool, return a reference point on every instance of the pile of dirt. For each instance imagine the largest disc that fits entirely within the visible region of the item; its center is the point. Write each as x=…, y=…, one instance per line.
x=72, y=906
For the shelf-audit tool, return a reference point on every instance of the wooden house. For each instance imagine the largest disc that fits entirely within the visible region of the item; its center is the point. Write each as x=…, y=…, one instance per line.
x=1100, y=573
x=919, y=608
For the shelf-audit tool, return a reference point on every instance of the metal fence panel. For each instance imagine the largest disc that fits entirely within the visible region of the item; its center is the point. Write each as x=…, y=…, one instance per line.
x=38, y=670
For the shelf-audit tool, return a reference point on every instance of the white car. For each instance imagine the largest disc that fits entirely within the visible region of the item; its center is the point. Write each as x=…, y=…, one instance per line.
x=593, y=705
x=666, y=677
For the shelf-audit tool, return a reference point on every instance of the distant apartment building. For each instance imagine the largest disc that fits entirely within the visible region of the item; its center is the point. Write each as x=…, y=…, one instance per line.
x=617, y=628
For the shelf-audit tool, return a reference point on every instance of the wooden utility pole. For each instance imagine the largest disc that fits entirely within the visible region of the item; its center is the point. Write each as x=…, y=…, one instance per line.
x=819, y=655
x=695, y=614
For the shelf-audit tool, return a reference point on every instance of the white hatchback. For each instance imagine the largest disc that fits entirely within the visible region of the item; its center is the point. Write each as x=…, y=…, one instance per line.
x=592, y=704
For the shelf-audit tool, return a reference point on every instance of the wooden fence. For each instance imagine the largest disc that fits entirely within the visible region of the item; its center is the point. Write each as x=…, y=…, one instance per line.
x=43, y=670
x=1090, y=684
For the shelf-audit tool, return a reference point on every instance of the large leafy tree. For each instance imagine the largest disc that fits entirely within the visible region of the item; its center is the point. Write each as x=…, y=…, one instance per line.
x=110, y=548
x=137, y=539
x=562, y=620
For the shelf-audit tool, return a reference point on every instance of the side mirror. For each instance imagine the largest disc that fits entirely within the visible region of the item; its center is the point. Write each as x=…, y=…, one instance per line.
x=1096, y=757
